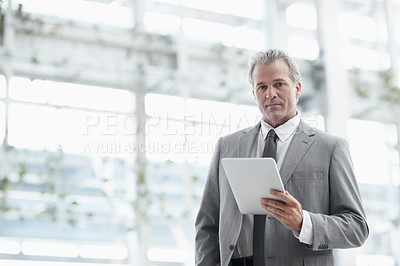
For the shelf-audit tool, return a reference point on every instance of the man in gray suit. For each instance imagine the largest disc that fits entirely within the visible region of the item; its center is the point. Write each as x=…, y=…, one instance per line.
x=322, y=207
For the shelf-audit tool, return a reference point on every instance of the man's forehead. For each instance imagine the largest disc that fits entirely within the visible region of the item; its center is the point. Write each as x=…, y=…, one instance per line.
x=267, y=71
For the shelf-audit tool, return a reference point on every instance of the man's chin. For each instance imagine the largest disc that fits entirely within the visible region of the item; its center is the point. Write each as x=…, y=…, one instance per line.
x=273, y=120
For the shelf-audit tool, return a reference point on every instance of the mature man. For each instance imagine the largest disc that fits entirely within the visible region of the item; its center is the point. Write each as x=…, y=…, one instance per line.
x=321, y=209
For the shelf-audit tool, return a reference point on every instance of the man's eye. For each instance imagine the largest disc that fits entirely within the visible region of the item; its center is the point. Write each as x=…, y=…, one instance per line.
x=280, y=84
x=263, y=87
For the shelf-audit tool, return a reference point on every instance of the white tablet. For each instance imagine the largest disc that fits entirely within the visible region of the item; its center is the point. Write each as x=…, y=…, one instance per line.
x=251, y=179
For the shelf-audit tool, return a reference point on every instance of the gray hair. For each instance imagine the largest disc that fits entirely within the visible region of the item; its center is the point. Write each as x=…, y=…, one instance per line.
x=270, y=56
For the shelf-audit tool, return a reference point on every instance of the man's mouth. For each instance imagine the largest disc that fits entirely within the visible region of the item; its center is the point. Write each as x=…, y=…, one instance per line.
x=272, y=104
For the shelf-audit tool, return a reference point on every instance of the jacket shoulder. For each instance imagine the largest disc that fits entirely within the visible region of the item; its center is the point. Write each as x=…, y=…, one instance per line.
x=320, y=135
x=238, y=134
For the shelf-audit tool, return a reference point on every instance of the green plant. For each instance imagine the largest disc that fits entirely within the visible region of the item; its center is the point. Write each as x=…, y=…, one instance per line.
x=361, y=87
x=391, y=91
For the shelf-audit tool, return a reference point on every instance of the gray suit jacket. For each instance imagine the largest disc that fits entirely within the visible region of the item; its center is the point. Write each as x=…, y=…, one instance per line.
x=317, y=171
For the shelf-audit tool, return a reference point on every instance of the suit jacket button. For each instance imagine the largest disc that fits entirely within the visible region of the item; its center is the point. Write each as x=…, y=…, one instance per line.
x=231, y=247
x=323, y=246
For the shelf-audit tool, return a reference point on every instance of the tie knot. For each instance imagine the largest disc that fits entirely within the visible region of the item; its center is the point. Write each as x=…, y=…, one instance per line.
x=272, y=134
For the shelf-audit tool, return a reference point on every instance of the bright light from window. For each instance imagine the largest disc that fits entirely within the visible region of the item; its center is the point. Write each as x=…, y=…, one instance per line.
x=53, y=249
x=69, y=94
x=302, y=16
x=250, y=9
x=172, y=2
x=210, y=112
x=192, y=127
x=2, y=86
x=397, y=22
x=98, y=133
x=358, y=27
x=165, y=106
x=53, y=263
x=41, y=127
x=111, y=252
x=161, y=23
x=33, y=127
x=205, y=121
x=369, y=260
x=368, y=167
x=221, y=6
x=206, y=31
x=86, y=11
x=314, y=120
x=8, y=246
x=357, y=57
x=165, y=140
x=71, y=250
x=166, y=254
x=2, y=121
x=249, y=115
x=249, y=39
x=303, y=48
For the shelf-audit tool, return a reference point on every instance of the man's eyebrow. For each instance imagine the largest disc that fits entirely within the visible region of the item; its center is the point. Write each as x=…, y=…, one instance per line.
x=260, y=83
x=275, y=80
x=279, y=79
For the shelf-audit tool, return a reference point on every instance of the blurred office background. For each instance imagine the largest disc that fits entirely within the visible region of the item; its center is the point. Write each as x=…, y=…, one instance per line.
x=110, y=111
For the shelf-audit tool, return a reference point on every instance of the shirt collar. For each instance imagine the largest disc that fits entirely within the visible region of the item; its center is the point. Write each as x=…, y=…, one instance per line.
x=283, y=131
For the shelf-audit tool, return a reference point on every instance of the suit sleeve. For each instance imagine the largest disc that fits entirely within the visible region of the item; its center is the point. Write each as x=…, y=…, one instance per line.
x=345, y=226
x=207, y=221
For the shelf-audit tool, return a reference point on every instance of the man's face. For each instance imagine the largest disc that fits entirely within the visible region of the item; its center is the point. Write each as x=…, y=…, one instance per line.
x=274, y=92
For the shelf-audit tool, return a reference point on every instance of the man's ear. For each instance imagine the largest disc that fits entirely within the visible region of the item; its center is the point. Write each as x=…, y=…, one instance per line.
x=253, y=94
x=298, y=90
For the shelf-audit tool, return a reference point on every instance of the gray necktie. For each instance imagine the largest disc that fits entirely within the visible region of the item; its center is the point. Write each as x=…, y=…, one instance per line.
x=259, y=220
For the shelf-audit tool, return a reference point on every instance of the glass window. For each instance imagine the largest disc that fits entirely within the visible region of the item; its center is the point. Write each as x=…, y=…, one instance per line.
x=47, y=263
x=106, y=13
x=370, y=168
x=206, y=121
x=302, y=16
x=222, y=6
x=165, y=106
x=74, y=95
x=2, y=86
x=358, y=27
x=314, y=119
x=397, y=29
x=303, y=47
x=376, y=164
x=161, y=23
x=249, y=38
x=250, y=9
x=82, y=132
x=189, y=129
x=209, y=112
x=248, y=115
x=206, y=31
x=165, y=140
x=383, y=260
x=2, y=121
x=172, y=2
x=358, y=57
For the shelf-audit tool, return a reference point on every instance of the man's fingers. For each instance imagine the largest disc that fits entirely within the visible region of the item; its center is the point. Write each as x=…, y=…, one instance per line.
x=273, y=203
x=284, y=196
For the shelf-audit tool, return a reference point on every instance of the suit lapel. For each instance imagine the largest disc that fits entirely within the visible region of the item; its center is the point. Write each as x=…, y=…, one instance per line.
x=246, y=141
x=301, y=142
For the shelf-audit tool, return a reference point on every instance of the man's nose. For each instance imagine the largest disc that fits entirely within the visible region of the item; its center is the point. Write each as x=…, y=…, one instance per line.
x=271, y=93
